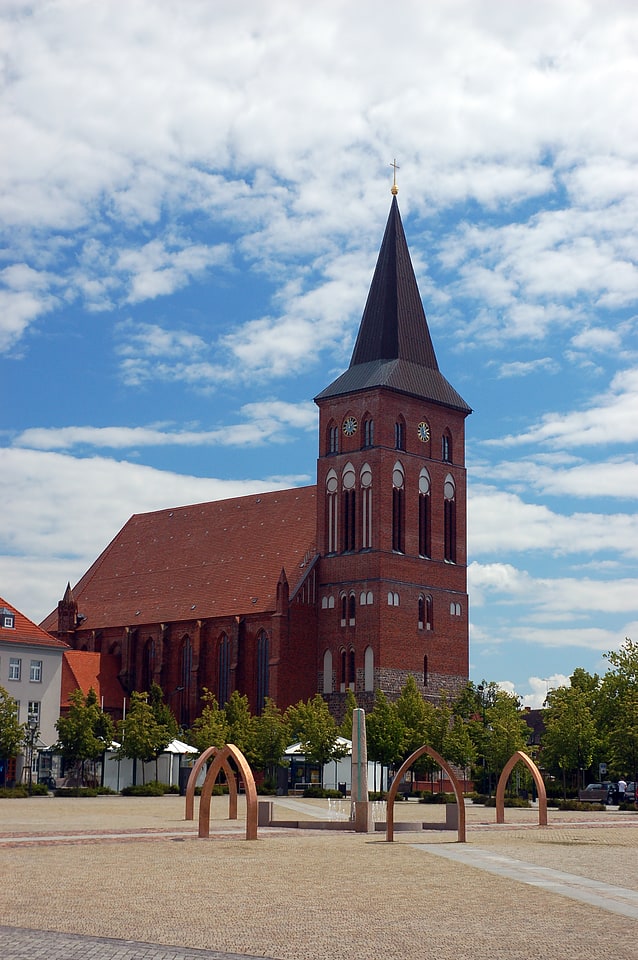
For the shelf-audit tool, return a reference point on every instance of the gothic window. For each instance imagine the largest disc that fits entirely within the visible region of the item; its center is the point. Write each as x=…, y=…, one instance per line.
x=368, y=671
x=365, y=479
x=449, y=520
x=351, y=669
x=398, y=508
x=424, y=514
x=429, y=614
x=446, y=447
x=148, y=666
x=399, y=434
x=425, y=613
x=421, y=620
x=368, y=433
x=327, y=672
x=455, y=609
x=186, y=663
x=223, y=670
x=393, y=599
x=352, y=609
x=344, y=669
x=348, y=479
x=263, y=670
x=366, y=598
x=344, y=609
x=333, y=439
x=332, y=510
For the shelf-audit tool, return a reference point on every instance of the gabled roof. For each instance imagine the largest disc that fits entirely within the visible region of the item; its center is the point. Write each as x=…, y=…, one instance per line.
x=24, y=630
x=394, y=348
x=82, y=670
x=217, y=559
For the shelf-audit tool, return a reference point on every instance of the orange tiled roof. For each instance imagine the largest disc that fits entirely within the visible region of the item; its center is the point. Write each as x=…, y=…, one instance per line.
x=212, y=559
x=24, y=630
x=83, y=670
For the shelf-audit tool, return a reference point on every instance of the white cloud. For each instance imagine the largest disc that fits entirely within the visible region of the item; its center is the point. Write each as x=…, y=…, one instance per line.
x=522, y=368
x=61, y=512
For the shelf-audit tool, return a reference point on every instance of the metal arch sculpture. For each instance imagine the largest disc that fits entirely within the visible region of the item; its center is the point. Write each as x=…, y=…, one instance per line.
x=222, y=757
x=517, y=757
x=192, y=783
x=458, y=793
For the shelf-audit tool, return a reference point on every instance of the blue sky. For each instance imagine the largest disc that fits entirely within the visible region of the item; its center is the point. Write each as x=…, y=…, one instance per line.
x=192, y=197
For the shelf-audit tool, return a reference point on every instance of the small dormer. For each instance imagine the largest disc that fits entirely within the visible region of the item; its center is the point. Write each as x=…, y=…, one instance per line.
x=7, y=619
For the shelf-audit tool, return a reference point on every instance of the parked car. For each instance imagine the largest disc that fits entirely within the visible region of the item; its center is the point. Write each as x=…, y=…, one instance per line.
x=605, y=792
x=630, y=792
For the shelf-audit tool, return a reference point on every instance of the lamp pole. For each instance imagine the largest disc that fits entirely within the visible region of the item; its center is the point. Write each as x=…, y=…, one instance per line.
x=32, y=725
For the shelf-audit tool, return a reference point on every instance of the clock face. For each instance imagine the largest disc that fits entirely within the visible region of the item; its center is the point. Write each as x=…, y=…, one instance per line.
x=423, y=431
x=350, y=426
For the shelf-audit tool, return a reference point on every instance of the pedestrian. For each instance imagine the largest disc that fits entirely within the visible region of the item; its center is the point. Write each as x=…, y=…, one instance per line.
x=622, y=789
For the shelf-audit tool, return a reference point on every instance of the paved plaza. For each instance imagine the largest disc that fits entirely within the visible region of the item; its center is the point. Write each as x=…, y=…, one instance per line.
x=116, y=878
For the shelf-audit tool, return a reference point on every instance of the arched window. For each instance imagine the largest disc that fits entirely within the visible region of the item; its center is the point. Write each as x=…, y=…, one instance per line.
x=446, y=447
x=368, y=679
x=449, y=520
x=399, y=434
x=333, y=439
x=424, y=514
x=429, y=613
x=148, y=667
x=351, y=669
x=368, y=433
x=398, y=508
x=223, y=670
x=344, y=609
x=352, y=609
x=263, y=670
x=186, y=664
x=344, y=671
x=327, y=672
x=421, y=614
x=332, y=511
x=365, y=479
x=348, y=479
x=393, y=599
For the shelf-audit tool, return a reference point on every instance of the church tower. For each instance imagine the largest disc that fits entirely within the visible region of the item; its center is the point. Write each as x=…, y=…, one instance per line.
x=391, y=502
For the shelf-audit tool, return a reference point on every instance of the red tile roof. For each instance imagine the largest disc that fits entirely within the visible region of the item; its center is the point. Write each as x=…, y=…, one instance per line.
x=25, y=631
x=82, y=670
x=205, y=560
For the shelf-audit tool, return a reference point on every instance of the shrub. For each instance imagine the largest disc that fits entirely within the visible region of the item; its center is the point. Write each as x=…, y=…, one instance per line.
x=376, y=795
x=508, y=802
x=578, y=805
x=428, y=797
x=151, y=789
x=14, y=793
x=316, y=792
x=76, y=792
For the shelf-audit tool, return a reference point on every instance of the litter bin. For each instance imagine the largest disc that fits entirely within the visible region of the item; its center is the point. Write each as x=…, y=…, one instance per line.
x=342, y=789
x=184, y=774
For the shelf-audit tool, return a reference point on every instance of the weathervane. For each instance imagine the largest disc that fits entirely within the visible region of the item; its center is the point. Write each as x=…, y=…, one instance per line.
x=396, y=166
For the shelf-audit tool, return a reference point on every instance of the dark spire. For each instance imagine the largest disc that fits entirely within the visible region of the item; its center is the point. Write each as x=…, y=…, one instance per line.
x=393, y=347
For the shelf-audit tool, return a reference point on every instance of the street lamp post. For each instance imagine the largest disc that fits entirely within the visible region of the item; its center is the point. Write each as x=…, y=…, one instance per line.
x=32, y=735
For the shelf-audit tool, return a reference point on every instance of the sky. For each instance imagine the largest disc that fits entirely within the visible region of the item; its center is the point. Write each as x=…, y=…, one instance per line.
x=192, y=198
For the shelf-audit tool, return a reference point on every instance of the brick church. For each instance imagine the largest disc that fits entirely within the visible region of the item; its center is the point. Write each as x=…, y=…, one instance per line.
x=354, y=582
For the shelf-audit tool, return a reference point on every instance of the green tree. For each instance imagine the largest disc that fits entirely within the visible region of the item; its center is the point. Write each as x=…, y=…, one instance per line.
x=271, y=737
x=84, y=732
x=210, y=729
x=506, y=730
x=141, y=736
x=11, y=731
x=571, y=737
x=165, y=720
x=384, y=732
x=417, y=717
x=241, y=724
x=350, y=706
x=458, y=746
x=315, y=728
x=619, y=700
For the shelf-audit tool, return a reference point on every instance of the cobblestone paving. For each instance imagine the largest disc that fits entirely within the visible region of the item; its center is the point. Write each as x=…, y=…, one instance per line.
x=19, y=944
x=133, y=875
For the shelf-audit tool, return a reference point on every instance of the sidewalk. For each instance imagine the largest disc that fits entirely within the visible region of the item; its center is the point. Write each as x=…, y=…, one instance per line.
x=131, y=874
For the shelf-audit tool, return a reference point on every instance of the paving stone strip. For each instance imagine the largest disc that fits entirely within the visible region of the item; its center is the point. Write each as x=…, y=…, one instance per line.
x=21, y=944
x=607, y=896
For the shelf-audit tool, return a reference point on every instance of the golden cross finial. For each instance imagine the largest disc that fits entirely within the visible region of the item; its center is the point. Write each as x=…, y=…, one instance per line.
x=396, y=166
